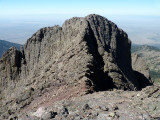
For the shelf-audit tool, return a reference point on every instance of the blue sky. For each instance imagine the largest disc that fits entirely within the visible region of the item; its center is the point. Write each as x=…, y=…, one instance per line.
x=79, y=7
x=19, y=19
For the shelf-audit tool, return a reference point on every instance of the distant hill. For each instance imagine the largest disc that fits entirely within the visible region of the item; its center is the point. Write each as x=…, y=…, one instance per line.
x=5, y=45
x=152, y=57
x=138, y=48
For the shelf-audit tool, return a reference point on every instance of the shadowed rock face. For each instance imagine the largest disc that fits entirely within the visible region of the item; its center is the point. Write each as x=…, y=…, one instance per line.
x=84, y=55
x=141, y=70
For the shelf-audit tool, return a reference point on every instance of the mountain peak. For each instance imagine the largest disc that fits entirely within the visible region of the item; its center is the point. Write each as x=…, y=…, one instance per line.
x=83, y=56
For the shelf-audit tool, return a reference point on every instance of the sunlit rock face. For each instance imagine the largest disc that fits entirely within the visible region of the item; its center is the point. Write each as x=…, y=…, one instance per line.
x=84, y=55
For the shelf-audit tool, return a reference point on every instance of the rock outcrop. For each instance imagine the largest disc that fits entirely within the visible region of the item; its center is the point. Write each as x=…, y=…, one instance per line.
x=5, y=45
x=138, y=64
x=141, y=70
x=151, y=55
x=84, y=55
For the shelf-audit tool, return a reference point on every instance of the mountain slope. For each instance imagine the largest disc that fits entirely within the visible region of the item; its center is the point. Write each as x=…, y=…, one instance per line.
x=83, y=56
x=152, y=57
x=5, y=45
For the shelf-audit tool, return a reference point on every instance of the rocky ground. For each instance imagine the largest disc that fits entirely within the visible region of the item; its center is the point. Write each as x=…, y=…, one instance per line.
x=105, y=105
x=68, y=73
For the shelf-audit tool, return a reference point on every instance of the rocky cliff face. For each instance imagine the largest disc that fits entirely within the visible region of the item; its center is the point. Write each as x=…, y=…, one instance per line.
x=141, y=70
x=84, y=55
x=151, y=55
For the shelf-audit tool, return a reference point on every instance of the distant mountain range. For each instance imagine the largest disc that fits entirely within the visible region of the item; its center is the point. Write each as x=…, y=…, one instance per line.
x=5, y=45
x=151, y=55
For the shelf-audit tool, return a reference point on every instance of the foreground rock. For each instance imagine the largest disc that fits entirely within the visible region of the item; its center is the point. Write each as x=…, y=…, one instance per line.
x=83, y=56
x=108, y=105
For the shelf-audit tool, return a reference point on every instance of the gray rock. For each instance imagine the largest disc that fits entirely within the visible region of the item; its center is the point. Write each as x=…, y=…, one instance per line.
x=83, y=56
x=141, y=70
x=120, y=106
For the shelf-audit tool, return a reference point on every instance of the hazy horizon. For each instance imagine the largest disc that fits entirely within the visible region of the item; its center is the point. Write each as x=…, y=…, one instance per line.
x=20, y=19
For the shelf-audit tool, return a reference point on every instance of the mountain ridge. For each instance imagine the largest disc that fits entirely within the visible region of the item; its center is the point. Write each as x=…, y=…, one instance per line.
x=151, y=55
x=5, y=45
x=83, y=56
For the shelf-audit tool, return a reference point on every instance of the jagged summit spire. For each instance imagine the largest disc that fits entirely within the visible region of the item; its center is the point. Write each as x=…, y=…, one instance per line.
x=84, y=55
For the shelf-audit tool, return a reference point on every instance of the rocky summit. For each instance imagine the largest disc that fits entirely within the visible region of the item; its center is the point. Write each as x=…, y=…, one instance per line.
x=85, y=55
